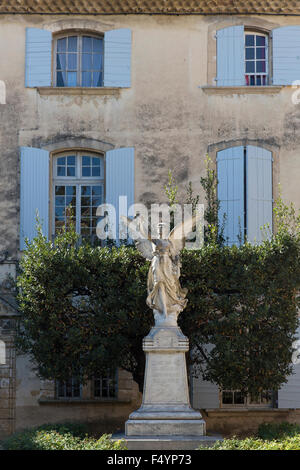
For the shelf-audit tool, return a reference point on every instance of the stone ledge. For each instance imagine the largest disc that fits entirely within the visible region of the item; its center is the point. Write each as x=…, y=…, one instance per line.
x=250, y=411
x=241, y=90
x=82, y=91
x=82, y=402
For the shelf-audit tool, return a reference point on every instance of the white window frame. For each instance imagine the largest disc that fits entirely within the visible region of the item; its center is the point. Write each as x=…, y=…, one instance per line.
x=109, y=377
x=268, y=68
x=79, y=36
x=59, y=384
x=76, y=180
x=247, y=401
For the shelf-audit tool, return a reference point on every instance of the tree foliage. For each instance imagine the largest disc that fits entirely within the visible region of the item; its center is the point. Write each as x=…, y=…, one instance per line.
x=83, y=309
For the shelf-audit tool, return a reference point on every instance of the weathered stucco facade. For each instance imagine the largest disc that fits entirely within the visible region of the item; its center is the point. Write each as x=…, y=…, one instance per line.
x=172, y=115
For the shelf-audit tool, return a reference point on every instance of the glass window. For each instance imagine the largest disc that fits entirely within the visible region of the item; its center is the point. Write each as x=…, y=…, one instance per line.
x=106, y=386
x=71, y=388
x=78, y=190
x=232, y=398
x=79, y=61
x=256, y=59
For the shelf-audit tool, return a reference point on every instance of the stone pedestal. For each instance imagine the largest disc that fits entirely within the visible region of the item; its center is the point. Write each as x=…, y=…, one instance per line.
x=166, y=409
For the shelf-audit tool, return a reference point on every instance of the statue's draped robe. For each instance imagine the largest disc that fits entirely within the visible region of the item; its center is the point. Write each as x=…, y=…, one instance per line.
x=164, y=275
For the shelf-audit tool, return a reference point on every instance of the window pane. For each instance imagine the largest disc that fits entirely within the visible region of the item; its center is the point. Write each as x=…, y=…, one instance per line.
x=260, y=40
x=260, y=53
x=61, y=61
x=71, y=171
x=261, y=67
x=71, y=190
x=87, y=79
x=61, y=171
x=62, y=45
x=61, y=79
x=72, y=44
x=249, y=40
x=59, y=212
x=71, y=160
x=70, y=201
x=85, y=190
x=86, y=161
x=87, y=61
x=72, y=61
x=87, y=44
x=97, y=61
x=72, y=78
x=227, y=398
x=250, y=67
x=250, y=53
x=97, y=190
x=239, y=399
x=97, y=45
x=85, y=201
x=60, y=201
x=97, y=79
x=96, y=161
x=59, y=190
x=86, y=171
x=96, y=171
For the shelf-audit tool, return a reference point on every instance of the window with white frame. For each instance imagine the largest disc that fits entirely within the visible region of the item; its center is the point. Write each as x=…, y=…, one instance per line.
x=256, y=59
x=106, y=385
x=235, y=398
x=78, y=189
x=70, y=388
x=79, y=61
x=243, y=57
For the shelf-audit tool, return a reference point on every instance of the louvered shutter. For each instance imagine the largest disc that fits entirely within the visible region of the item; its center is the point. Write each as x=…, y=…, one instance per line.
x=259, y=193
x=230, y=170
x=286, y=55
x=117, y=58
x=120, y=180
x=38, y=57
x=34, y=192
x=231, y=56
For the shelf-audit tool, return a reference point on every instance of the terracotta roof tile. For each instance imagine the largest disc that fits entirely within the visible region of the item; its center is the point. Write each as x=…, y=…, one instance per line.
x=207, y=7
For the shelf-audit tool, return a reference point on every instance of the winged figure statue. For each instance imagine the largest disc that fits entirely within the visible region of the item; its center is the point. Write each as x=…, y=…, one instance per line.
x=165, y=297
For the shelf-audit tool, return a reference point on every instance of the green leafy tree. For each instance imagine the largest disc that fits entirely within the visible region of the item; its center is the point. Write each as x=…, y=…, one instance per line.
x=83, y=308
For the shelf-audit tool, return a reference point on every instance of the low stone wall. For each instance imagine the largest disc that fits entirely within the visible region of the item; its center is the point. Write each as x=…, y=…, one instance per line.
x=229, y=422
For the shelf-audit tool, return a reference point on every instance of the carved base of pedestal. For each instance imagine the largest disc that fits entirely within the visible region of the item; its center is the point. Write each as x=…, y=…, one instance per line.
x=166, y=409
x=165, y=427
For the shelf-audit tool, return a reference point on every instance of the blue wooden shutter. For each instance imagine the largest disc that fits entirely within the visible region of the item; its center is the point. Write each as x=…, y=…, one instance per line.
x=34, y=197
x=120, y=180
x=117, y=58
x=259, y=192
x=230, y=165
x=231, y=56
x=289, y=394
x=286, y=55
x=38, y=57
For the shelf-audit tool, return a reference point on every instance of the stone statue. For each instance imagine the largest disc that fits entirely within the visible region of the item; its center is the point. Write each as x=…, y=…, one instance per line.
x=166, y=297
